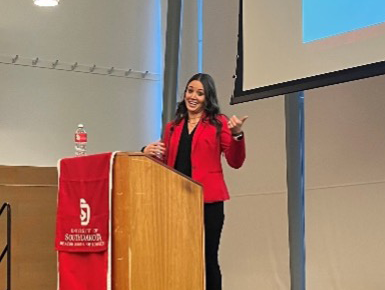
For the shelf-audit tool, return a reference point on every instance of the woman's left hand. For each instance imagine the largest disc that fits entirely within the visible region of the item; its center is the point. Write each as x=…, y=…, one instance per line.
x=235, y=124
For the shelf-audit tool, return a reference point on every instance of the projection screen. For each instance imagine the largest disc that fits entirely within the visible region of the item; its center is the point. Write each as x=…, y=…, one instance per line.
x=288, y=46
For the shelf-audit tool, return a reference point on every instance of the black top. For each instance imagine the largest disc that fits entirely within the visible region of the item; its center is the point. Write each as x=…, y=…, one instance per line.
x=183, y=158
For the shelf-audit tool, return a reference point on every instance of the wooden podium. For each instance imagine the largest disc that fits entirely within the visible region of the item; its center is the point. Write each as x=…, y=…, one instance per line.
x=157, y=227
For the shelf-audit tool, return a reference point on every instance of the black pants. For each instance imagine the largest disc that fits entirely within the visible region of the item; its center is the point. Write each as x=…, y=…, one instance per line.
x=214, y=218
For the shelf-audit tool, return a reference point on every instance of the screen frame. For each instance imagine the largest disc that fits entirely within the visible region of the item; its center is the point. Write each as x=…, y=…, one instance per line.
x=307, y=83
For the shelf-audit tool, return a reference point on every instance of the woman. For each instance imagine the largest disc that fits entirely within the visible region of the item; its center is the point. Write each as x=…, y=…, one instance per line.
x=193, y=144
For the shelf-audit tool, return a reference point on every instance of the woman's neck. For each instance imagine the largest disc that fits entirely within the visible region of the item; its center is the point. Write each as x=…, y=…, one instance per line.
x=194, y=116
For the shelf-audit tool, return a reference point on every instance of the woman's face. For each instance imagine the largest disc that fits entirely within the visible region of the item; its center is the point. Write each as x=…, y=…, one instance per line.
x=194, y=97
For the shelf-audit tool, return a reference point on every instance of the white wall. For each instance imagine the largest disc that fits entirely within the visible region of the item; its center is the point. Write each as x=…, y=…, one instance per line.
x=40, y=108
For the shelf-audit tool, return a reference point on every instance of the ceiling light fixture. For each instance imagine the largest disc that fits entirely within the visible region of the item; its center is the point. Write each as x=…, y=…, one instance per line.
x=46, y=3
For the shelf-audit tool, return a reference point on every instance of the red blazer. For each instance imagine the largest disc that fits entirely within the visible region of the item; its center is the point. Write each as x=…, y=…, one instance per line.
x=206, y=151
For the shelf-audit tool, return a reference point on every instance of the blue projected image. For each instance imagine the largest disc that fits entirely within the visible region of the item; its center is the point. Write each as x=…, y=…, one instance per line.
x=326, y=18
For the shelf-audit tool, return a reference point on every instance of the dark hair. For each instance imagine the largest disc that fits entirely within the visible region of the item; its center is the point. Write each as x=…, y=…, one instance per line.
x=211, y=106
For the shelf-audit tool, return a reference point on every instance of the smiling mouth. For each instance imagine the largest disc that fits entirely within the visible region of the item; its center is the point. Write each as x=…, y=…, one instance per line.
x=192, y=103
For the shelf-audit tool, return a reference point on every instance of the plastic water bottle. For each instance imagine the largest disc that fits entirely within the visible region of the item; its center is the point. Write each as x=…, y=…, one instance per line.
x=80, y=141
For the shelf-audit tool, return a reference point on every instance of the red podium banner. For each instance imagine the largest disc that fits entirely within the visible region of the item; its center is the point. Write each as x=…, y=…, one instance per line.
x=83, y=222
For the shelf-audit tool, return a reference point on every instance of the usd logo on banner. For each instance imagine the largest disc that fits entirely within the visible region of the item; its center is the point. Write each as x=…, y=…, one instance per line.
x=85, y=212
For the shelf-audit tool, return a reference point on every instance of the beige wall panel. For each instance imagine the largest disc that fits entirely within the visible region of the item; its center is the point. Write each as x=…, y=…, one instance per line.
x=345, y=230
x=254, y=249
x=31, y=192
x=188, y=59
x=345, y=134
x=33, y=231
x=265, y=168
x=345, y=165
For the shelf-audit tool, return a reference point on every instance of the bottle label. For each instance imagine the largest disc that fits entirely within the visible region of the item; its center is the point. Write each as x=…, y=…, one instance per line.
x=81, y=137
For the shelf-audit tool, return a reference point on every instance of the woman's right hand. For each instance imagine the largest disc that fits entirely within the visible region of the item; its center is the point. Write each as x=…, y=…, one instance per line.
x=155, y=149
